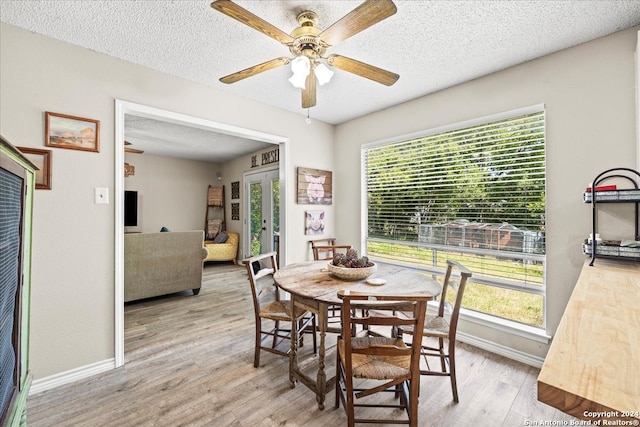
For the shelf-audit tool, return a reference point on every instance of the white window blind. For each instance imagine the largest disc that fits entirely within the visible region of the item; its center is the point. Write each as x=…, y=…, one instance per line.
x=476, y=194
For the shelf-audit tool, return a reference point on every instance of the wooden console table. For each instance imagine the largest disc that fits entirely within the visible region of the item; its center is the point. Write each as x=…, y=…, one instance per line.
x=593, y=364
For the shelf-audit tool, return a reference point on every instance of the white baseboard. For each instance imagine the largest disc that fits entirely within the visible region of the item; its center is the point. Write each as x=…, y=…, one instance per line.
x=42, y=384
x=501, y=350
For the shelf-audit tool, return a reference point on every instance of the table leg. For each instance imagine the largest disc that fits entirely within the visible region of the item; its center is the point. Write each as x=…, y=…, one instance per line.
x=293, y=353
x=320, y=383
x=321, y=379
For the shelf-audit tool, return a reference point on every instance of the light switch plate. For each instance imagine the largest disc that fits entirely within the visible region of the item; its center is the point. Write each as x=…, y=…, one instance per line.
x=102, y=195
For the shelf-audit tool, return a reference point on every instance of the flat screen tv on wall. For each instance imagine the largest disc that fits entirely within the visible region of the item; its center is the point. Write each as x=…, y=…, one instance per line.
x=130, y=208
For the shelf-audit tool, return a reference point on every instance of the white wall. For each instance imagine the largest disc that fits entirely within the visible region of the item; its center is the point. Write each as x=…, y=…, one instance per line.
x=172, y=192
x=72, y=322
x=588, y=91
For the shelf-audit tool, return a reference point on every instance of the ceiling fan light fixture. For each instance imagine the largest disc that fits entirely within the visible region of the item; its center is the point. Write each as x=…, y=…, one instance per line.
x=323, y=73
x=300, y=66
x=298, y=80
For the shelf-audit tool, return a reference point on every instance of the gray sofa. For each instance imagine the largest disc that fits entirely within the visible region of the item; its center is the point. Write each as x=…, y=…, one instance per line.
x=162, y=263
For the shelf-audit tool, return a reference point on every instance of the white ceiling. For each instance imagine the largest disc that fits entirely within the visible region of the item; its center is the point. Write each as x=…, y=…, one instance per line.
x=431, y=44
x=167, y=138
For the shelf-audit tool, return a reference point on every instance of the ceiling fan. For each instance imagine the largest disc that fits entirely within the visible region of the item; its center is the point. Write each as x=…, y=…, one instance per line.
x=308, y=44
x=128, y=149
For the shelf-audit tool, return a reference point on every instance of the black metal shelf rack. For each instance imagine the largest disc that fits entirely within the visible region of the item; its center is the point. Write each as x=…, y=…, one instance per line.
x=631, y=195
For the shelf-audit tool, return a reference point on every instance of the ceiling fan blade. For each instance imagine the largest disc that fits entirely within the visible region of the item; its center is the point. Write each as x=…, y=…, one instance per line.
x=309, y=91
x=231, y=9
x=132, y=150
x=128, y=149
x=256, y=69
x=364, y=70
x=362, y=17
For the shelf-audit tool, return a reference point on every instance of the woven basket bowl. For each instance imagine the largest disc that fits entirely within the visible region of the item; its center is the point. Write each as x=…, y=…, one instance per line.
x=351, y=273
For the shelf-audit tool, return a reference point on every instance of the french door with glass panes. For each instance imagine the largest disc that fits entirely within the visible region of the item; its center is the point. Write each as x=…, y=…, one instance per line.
x=262, y=219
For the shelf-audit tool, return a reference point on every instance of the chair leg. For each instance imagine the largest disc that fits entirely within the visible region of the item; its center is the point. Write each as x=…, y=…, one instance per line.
x=300, y=335
x=276, y=333
x=452, y=371
x=314, y=324
x=302, y=330
x=338, y=378
x=348, y=405
x=293, y=352
x=398, y=393
x=256, y=351
x=442, y=358
x=414, y=392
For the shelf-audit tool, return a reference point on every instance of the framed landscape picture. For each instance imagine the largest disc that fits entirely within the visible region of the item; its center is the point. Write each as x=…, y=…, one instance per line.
x=42, y=159
x=75, y=133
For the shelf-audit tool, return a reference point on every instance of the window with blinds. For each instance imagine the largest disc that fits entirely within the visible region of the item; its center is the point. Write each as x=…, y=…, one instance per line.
x=475, y=194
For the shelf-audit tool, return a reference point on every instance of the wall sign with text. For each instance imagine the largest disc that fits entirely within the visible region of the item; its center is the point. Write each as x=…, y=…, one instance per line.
x=267, y=158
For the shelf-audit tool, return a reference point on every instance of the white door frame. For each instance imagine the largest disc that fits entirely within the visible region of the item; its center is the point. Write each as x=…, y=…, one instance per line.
x=125, y=107
x=247, y=208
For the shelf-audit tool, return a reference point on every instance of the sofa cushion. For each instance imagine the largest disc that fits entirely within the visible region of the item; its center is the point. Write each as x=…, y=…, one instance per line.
x=221, y=237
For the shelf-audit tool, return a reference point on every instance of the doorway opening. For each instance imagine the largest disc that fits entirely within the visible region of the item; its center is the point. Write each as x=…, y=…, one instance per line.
x=123, y=108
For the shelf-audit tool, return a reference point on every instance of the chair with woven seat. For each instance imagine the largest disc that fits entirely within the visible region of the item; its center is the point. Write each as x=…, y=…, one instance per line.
x=329, y=251
x=438, y=327
x=325, y=241
x=269, y=307
x=372, y=364
x=326, y=249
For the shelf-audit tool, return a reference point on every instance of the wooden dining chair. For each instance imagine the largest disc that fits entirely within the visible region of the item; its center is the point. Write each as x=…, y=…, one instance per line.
x=327, y=252
x=371, y=364
x=326, y=248
x=270, y=310
x=325, y=241
x=438, y=327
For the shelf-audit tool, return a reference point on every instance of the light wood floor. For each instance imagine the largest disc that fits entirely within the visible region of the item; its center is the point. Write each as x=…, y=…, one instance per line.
x=189, y=362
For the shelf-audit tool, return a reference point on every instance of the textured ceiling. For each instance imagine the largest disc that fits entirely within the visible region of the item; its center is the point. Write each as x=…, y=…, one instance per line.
x=170, y=139
x=431, y=44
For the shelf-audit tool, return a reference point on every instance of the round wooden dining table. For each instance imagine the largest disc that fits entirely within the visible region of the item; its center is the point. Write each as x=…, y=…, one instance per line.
x=315, y=289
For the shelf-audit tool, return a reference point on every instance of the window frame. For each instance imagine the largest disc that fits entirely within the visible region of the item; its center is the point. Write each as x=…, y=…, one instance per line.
x=522, y=329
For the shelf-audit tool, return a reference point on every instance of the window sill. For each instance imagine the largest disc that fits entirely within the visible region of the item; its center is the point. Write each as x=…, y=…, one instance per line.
x=504, y=325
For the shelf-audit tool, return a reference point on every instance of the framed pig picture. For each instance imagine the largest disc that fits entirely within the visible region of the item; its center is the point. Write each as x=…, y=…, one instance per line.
x=314, y=187
x=314, y=223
